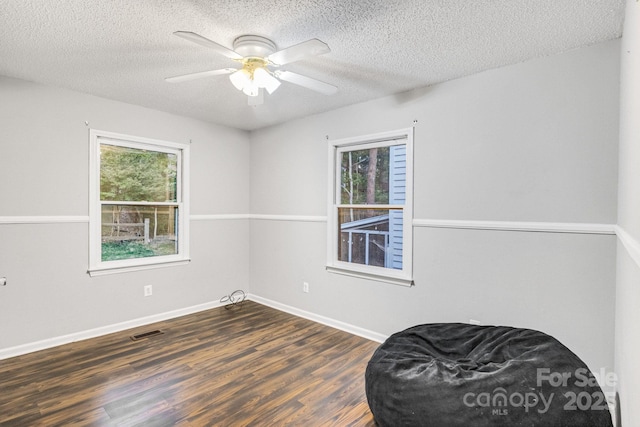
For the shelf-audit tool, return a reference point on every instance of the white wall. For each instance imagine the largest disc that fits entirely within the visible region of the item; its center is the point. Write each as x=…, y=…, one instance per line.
x=533, y=142
x=627, y=346
x=44, y=166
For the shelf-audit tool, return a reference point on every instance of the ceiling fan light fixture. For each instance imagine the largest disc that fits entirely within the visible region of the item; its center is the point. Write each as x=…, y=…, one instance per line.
x=251, y=89
x=240, y=78
x=253, y=76
x=264, y=79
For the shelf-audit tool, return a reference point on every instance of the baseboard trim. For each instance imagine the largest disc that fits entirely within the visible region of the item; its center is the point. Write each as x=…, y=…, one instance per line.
x=354, y=330
x=142, y=321
x=104, y=330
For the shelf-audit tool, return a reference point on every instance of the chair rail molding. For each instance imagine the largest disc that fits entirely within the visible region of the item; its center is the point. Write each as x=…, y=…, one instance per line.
x=530, y=226
x=44, y=219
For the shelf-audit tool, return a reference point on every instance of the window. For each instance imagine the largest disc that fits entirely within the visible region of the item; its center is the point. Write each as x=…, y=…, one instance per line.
x=139, y=203
x=370, y=219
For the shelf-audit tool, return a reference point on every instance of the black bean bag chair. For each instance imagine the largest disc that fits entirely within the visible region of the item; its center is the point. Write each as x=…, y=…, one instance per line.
x=454, y=374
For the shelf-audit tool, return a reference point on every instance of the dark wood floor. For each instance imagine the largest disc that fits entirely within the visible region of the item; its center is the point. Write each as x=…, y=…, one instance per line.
x=249, y=366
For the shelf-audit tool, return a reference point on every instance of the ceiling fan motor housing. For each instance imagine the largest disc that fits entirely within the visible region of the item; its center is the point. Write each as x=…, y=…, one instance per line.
x=253, y=46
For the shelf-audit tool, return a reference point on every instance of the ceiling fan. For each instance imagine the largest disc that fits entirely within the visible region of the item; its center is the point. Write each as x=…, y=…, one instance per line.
x=259, y=65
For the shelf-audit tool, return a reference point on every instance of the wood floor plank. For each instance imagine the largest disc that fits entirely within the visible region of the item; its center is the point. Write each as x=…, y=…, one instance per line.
x=247, y=366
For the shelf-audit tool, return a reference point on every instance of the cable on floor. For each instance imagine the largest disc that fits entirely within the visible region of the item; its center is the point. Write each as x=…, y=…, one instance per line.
x=234, y=300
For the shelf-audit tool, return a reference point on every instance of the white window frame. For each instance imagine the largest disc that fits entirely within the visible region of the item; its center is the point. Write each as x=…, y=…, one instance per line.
x=336, y=147
x=98, y=267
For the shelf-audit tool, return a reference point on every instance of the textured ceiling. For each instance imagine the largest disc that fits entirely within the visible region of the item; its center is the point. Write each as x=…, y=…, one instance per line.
x=123, y=49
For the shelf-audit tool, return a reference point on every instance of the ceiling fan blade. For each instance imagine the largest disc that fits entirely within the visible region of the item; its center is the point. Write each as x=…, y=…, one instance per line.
x=257, y=100
x=299, y=51
x=307, y=82
x=199, y=75
x=203, y=41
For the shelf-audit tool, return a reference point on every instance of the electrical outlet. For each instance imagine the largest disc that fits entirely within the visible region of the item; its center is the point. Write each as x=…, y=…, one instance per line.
x=305, y=287
x=148, y=290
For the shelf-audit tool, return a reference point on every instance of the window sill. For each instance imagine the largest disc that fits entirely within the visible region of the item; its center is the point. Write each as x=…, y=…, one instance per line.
x=103, y=271
x=394, y=280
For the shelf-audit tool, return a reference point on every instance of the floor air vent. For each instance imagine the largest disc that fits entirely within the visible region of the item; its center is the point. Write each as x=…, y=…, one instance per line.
x=146, y=335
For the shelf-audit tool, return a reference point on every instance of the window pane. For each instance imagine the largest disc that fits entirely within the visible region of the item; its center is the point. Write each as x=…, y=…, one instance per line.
x=134, y=175
x=138, y=231
x=365, y=176
x=370, y=237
